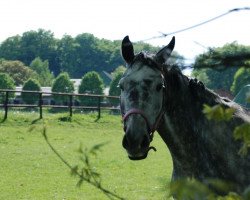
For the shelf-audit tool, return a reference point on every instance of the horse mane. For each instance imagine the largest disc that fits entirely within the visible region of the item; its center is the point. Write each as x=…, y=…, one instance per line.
x=192, y=87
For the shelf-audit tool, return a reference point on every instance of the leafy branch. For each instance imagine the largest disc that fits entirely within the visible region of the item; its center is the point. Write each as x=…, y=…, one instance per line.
x=86, y=173
x=218, y=113
x=241, y=132
x=194, y=189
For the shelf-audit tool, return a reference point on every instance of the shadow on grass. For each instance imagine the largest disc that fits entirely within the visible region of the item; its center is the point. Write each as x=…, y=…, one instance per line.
x=35, y=121
x=3, y=120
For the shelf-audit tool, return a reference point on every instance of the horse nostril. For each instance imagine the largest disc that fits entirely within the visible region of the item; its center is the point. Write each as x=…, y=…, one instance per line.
x=129, y=143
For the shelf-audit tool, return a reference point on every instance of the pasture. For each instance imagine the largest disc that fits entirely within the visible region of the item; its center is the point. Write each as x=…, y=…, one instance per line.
x=30, y=170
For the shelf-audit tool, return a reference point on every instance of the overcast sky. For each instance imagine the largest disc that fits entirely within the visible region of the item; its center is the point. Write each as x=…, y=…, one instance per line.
x=140, y=19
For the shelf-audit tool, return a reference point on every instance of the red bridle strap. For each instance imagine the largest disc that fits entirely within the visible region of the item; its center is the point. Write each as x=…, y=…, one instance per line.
x=152, y=129
x=136, y=111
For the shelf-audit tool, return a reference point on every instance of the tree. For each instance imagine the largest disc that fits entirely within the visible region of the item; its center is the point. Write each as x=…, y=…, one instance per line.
x=229, y=55
x=114, y=90
x=241, y=78
x=220, y=64
x=91, y=83
x=31, y=85
x=17, y=70
x=68, y=55
x=32, y=44
x=6, y=82
x=216, y=79
x=62, y=84
x=44, y=76
x=10, y=49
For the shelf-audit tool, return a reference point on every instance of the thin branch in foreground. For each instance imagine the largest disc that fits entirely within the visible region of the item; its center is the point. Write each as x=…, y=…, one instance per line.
x=91, y=176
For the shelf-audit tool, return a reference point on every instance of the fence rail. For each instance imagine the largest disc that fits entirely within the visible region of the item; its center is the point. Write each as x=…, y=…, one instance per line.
x=6, y=105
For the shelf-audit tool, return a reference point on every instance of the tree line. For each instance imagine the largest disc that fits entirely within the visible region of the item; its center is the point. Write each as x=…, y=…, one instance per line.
x=39, y=55
x=226, y=67
x=74, y=55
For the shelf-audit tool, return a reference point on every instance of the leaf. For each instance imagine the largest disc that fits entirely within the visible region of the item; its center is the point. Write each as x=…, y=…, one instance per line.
x=32, y=128
x=229, y=113
x=97, y=147
x=74, y=170
x=230, y=196
x=79, y=183
x=220, y=185
x=242, y=132
x=190, y=189
x=218, y=113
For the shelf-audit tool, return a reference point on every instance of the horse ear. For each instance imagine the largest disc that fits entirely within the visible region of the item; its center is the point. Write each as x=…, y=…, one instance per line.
x=163, y=55
x=127, y=50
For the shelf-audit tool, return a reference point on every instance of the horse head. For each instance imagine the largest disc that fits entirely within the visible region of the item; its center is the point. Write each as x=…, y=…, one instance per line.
x=142, y=97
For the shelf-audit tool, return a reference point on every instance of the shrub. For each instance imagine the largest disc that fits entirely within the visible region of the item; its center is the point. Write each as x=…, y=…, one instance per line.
x=62, y=84
x=91, y=83
x=6, y=82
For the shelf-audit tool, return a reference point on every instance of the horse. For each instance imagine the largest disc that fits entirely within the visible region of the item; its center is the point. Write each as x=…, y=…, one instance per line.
x=158, y=97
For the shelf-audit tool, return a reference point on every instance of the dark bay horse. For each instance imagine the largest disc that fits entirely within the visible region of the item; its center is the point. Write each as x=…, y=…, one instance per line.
x=156, y=97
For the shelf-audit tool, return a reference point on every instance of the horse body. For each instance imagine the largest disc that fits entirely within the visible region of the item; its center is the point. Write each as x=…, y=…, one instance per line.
x=202, y=148
x=156, y=97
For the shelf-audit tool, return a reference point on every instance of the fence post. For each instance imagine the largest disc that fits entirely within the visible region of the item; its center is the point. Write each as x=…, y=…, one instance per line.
x=6, y=105
x=40, y=104
x=70, y=105
x=99, y=107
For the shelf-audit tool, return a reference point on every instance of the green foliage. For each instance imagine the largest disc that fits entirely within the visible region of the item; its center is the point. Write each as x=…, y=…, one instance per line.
x=214, y=79
x=91, y=83
x=241, y=78
x=40, y=43
x=17, y=70
x=75, y=55
x=194, y=189
x=29, y=45
x=6, y=82
x=243, y=96
x=221, y=64
x=201, y=74
x=114, y=90
x=31, y=85
x=44, y=76
x=10, y=48
x=119, y=70
x=230, y=55
x=242, y=132
x=62, y=84
x=218, y=113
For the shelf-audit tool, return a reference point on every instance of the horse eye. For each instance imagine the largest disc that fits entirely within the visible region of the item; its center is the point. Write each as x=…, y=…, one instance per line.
x=158, y=87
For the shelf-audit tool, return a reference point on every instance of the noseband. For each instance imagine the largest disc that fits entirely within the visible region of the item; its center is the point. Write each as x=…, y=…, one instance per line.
x=151, y=129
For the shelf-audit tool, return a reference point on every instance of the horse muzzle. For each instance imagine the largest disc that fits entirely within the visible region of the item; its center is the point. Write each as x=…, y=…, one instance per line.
x=137, y=150
x=141, y=156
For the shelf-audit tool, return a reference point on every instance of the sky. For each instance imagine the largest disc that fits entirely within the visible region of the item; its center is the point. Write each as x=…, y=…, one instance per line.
x=140, y=19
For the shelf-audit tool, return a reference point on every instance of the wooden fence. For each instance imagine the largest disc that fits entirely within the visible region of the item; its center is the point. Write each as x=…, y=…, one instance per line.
x=6, y=104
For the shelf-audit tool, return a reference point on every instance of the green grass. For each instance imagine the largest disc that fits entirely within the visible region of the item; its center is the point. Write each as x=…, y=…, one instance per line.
x=30, y=170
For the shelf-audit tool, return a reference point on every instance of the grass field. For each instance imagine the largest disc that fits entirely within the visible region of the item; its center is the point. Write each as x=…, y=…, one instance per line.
x=30, y=170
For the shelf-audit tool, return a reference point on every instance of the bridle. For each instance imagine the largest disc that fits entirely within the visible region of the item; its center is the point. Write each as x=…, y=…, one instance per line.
x=134, y=111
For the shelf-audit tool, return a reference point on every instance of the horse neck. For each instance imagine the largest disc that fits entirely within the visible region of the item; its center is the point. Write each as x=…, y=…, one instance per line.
x=184, y=103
